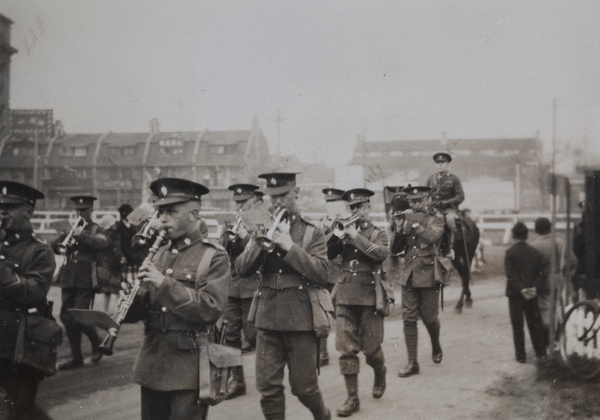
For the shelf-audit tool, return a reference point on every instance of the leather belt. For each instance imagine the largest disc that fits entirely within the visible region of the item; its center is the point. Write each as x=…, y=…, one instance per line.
x=356, y=266
x=282, y=281
x=165, y=321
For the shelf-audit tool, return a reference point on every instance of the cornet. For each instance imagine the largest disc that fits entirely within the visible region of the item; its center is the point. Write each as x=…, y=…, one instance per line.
x=339, y=225
x=147, y=232
x=281, y=215
x=70, y=240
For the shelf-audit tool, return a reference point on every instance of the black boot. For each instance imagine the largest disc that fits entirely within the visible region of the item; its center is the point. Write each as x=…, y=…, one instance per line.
x=352, y=404
x=74, y=337
x=379, y=384
x=410, y=336
x=237, y=384
x=436, y=348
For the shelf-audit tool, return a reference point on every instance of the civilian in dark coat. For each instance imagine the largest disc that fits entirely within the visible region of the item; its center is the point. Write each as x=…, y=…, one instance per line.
x=523, y=265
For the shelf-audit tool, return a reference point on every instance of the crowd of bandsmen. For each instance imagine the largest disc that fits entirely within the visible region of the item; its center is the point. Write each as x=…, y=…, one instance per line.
x=274, y=290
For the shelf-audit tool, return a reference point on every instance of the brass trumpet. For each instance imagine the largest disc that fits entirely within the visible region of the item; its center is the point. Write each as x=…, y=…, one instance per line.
x=265, y=241
x=69, y=241
x=338, y=226
x=106, y=347
x=148, y=231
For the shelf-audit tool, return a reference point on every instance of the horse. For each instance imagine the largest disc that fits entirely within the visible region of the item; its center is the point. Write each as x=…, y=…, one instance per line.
x=465, y=243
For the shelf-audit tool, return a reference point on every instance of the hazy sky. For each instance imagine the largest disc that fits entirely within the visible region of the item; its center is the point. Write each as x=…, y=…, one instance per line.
x=335, y=69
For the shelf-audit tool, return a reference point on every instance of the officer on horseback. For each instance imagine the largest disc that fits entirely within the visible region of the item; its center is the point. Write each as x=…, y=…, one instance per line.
x=446, y=194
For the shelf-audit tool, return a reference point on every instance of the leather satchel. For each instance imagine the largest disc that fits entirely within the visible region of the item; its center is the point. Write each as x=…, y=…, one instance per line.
x=37, y=340
x=384, y=296
x=322, y=310
x=216, y=362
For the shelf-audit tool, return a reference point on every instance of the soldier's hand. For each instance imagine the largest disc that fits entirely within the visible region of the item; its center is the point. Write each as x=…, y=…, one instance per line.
x=351, y=231
x=282, y=236
x=242, y=232
x=126, y=287
x=149, y=273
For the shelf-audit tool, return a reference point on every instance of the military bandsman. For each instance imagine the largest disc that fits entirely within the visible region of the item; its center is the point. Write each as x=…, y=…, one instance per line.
x=78, y=278
x=418, y=236
x=363, y=247
x=284, y=313
x=183, y=293
x=26, y=268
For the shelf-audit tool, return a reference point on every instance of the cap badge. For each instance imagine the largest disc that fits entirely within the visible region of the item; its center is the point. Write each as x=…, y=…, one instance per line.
x=239, y=191
x=4, y=191
x=81, y=200
x=274, y=181
x=415, y=191
x=329, y=192
x=163, y=191
x=352, y=196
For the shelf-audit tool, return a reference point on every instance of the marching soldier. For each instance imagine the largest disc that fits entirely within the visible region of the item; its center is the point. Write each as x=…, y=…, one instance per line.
x=363, y=247
x=419, y=234
x=77, y=280
x=446, y=193
x=183, y=293
x=241, y=291
x=295, y=268
x=26, y=268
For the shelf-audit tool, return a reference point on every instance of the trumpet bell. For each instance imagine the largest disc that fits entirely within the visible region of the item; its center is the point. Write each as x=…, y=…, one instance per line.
x=265, y=243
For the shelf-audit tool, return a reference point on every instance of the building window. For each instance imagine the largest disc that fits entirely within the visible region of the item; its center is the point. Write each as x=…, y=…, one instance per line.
x=80, y=152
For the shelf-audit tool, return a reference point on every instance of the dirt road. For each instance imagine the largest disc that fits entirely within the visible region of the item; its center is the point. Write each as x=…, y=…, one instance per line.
x=478, y=355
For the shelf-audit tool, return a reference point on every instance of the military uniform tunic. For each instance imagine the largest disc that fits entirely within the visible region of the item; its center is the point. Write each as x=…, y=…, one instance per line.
x=446, y=187
x=26, y=268
x=358, y=327
x=284, y=316
x=177, y=312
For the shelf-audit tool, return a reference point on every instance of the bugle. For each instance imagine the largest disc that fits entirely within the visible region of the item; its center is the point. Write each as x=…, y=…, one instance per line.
x=232, y=232
x=147, y=232
x=106, y=347
x=69, y=241
x=338, y=226
x=265, y=241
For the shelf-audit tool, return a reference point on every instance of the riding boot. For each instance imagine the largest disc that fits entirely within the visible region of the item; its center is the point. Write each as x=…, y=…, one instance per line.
x=352, y=404
x=314, y=402
x=436, y=348
x=237, y=384
x=323, y=353
x=411, y=339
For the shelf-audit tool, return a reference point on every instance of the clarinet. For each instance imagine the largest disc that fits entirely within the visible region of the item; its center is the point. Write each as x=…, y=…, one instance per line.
x=106, y=347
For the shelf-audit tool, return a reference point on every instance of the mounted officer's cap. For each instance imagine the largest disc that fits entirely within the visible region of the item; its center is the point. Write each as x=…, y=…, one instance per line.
x=82, y=202
x=442, y=157
x=413, y=193
x=332, y=194
x=16, y=193
x=242, y=192
x=176, y=190
x=520, y=231
x=357, y=195
x=279, y=182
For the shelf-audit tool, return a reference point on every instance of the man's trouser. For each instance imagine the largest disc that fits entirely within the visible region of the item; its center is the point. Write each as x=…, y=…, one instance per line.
x=78, y=299
x=297, y=350
x=172, y=405
x=358, y=328
x=518, y=306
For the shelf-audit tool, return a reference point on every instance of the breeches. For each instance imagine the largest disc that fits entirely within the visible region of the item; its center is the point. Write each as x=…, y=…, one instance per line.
x=275, y=350
x=236, y=316
x=420, y=302
x=451, y=216
x=358, y=328
x=172, y=405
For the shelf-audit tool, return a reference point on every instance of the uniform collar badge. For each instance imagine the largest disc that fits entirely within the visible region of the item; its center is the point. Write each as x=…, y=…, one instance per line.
x=187, y=241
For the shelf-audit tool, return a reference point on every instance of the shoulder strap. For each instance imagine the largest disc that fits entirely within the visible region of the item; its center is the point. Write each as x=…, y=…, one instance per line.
x=205, y=263
x=308, y=234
